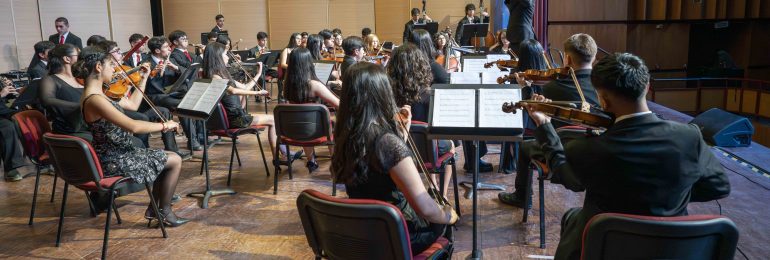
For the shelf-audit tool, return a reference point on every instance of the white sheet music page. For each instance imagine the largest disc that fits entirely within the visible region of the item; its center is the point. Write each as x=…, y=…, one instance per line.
x=475, y=64
x=193, y=95
x=491, y=77
x=211, y=94
x=454, y=108
x=464, y=78
x=490, y=108
x=323, y=71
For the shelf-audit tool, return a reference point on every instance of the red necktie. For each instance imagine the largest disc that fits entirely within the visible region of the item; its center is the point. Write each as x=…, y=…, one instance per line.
x=188, y=56
x=138, y=59
x=61, y=39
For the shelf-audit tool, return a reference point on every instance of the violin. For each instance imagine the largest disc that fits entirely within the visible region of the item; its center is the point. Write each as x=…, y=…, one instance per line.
x=536, y=75
x=120, y=83
x=565, y=112
x=503, y=64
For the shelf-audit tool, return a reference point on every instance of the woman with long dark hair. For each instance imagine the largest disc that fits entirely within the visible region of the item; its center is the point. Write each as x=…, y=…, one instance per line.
x=60, y=92
x=372, y=159
x=421, y=38
x=314, y=42
x=410, y=77
x=112, y=135
x=294, y=41
x=502, y=45
x=303, y=86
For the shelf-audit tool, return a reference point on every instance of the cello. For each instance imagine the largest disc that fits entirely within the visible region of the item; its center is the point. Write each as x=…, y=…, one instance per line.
x=451, y=64
x=489, y=39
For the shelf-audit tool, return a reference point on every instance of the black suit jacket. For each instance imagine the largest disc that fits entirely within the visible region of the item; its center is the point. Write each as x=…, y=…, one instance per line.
x=217, y=30
x=157, y=85
x=347, y=61
x=440, y=76
x=520, y=26
x=38, y=71
x=564, y=89
x=641, y=165
x=459, y=31
x=177, y=57
x=71, y=39
x=132, y=62
x=409, y=26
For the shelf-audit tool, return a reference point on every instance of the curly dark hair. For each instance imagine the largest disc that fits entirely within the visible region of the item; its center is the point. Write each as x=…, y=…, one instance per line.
x=366, y=112
x=410, y=74
x=87, y=60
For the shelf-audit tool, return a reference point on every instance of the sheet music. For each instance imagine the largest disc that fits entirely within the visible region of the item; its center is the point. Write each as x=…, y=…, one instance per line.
x=464, y=78
x=454, y=108
x=490, y=77
x=203, y=96
x=323, y=71
x=490, y=108
x=474, y=65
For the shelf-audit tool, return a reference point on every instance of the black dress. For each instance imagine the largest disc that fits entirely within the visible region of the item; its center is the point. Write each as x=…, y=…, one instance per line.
x=63, y=101
x=389, y=149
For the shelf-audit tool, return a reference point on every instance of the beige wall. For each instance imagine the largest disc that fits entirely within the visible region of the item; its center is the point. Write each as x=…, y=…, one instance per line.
x=26, y=22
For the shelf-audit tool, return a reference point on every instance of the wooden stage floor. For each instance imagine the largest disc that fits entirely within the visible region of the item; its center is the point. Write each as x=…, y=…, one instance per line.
x=255, y=224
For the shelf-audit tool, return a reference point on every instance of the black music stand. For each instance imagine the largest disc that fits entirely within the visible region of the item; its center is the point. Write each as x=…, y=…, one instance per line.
x=431, y=27
x=476, y=30
x=476, y=134
x=204, y=91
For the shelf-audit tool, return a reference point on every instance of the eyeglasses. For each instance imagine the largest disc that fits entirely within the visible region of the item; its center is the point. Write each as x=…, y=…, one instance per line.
x=116, y=50
x=182, y=38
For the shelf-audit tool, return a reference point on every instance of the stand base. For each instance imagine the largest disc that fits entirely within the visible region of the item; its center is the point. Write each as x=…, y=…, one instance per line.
x=206, y=195
x=482, y=186
x=475, y=255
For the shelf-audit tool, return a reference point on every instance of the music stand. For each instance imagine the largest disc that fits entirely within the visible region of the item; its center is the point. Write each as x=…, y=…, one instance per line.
x=204, y=38
x=183, y=83
x=476, y=30
x=431, y=27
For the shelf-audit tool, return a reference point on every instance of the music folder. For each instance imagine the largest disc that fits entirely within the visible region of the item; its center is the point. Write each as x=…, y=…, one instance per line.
x=202, y=98
x=431, y=27
x=474, y=109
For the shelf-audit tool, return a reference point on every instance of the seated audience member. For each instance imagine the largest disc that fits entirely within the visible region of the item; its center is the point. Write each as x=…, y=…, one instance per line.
x=641, y=165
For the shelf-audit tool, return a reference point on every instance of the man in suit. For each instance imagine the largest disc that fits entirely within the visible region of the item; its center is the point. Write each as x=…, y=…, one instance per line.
x=11, y=153
x=63, y=34
x=470, y=18
x=220, y=19
x=38, y=68
x=180, y=55
x=409, y=26
x=641, y=165
x=520, y=21
x=353, y=46
x=138, y=56
x=580, y=52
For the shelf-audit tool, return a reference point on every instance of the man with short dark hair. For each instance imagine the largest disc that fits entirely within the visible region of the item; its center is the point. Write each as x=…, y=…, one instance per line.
x=416, y=19
x=353, y=46
x=138, y=56
x=220, y=19
x=95, y=39
x=261, y=47
x=180, y=55
x=63, y=34
x=640, y=165
x=469, y=18
x=365, y=32
x=38, y=68
x=304, y=39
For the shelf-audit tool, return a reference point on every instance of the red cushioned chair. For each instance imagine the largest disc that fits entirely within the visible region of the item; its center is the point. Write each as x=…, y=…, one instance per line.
x=76, y=163
x=359, y=229
x=32, y=125
x=624, y=236
x=435, y=162
x=544, y=173
x=300, y=125
x=219, y=125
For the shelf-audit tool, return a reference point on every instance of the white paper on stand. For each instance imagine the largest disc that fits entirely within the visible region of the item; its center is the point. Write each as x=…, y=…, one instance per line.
x=454, y=108
x=490, y=108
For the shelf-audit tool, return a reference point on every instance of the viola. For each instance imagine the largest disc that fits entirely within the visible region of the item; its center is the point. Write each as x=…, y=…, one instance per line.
x=503, y=63
x=565, y=112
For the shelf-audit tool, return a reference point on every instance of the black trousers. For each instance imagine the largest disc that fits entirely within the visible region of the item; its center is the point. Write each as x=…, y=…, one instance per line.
x=469, y=152
x=192, y=128
x=149, y=115
x=529, y=150
x=13, y=156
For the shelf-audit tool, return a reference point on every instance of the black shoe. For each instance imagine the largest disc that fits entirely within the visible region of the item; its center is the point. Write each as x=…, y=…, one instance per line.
x=176, y=198
x=297, y=155
x=169, y=218
x=185, y=154
x=512, y=199
x=99, y=201
x=311, y=166
x=483, y=167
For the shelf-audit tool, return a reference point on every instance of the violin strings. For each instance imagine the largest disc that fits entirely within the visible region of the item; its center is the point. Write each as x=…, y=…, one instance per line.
x=144, y=97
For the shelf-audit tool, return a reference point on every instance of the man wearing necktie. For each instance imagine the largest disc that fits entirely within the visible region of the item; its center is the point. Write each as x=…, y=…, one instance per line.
x=470, y=18
x=180, y=55
x=139, y=55
x=63, y=34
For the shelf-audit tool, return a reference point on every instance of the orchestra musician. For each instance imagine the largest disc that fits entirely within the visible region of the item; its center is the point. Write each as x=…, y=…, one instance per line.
x=304, y=39
x=60, y=92
x=295, y=40
x=469, y=18
x=63, y=34
x=138, y=56
x=38, y=67
x=261, y=47
x=112, y=139
x=365, y=32
x=354, y=52
x=219, y=27
x=520, y=26
x=377, y=163
x=502, y=45
x=328, y=44
x=180, y=56
x=416, y=19
x=675, y=166
x=303, y=86
x=11, y=154
x=580, y=50
x=95, y=39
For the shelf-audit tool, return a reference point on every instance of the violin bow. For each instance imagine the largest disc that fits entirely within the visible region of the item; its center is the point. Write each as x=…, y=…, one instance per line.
x=149, y=102
x=433, y=189
x=238, y=63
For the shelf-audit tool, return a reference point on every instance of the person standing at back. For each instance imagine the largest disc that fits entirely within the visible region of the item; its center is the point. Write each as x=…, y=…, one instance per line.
x=63, y=34
x=219, y=28
x=520, y=22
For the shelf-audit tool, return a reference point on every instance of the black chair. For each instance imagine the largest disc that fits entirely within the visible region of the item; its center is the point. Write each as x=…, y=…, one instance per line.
x=624, y=236
x=76, y=163
x=32, y=125
x=219, y=125
x=300, y=125
x=359, y=229
x=435, y=162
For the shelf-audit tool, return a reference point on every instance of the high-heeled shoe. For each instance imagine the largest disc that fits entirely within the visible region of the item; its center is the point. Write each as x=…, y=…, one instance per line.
x=169, y=218
x=311, y=166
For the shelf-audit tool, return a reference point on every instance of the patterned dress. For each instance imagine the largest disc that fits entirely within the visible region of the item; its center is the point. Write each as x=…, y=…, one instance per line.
x=119, y=156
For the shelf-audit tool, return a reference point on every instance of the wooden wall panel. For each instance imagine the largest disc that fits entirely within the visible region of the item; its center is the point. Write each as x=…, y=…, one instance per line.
x=8, y=54
x=390, y=17
x=611, y=37
x=129, y=17
x=693, y=9
x=243, y=20
x=749, y=104
x=732, y=101
x=351, y=16
x=683, y=101
x=191, y=16
x=760, y=37
x=753, y=8
x=736, y=9
x=27, y=22
x=287, y=17
x=661, y=47
x=582, y=10
x=675, y=9
x=86, y=17
x=656, y=9
x=711, y=98
x=764, y=105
